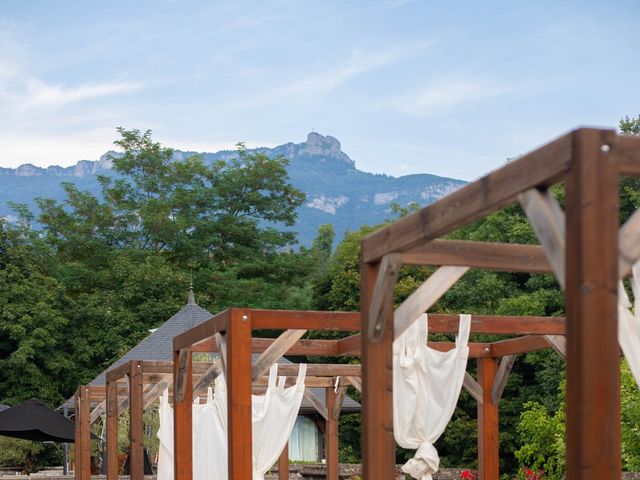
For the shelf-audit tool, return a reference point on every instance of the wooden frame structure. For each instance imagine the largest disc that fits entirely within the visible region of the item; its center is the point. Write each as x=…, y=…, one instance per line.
x=586, y=251
x=230, y=333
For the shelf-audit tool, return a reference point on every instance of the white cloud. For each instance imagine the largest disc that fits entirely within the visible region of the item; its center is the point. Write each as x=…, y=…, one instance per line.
x=449, y=94
x=41, y=94
x=322, y=82
x=44, y=150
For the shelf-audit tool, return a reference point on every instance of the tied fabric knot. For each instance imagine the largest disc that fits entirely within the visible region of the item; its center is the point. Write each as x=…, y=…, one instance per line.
x=424, y=463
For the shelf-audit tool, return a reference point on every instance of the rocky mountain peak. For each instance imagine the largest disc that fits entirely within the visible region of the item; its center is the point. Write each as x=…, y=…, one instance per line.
x=326, y=146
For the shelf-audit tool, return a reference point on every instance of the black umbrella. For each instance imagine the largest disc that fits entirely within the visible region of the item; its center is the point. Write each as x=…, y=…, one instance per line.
x=33, y=420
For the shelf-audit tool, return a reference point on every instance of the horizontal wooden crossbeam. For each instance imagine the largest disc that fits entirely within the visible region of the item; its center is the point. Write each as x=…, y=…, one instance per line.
x=544, y=166
x=507, y=257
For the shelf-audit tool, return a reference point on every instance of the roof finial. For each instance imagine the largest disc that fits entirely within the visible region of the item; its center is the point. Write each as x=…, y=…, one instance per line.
x=192, y=299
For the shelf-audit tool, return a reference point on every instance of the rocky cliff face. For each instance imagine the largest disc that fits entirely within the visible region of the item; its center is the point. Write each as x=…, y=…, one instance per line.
x=337, y=192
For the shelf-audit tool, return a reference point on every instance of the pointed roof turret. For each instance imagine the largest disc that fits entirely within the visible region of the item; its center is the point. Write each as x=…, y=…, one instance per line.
x=192, y=299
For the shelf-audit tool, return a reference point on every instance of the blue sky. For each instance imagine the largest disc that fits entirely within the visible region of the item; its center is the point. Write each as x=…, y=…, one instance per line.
x=451, y=88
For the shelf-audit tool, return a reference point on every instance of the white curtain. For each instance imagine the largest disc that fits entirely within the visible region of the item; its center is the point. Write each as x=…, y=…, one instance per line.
x=273, y=416
x=629, y=323
x=209, y=440
x=426, y=387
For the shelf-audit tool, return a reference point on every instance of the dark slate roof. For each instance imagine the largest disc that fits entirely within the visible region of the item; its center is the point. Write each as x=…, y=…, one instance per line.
x=158, y=345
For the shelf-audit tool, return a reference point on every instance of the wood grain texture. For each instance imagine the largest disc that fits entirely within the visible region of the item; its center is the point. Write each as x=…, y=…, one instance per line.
x=425, y=296
x=136, y=424
x=505, y=257
x=112, y=431
x=498, y=189
x=275, y=351
x=473, y=388
x=182, y=418
x=239, y=394
x=500, y=380
x=382, y=298
x=488, y=429
x=593, y=361
x=283, y=463
x=331, y=437
x=378, y=444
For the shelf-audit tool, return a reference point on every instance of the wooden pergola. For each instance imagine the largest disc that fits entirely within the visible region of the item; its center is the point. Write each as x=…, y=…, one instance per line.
x=582, y=245
x=230, y=333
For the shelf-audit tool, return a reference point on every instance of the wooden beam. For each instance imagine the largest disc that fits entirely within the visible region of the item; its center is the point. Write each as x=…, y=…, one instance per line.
x=221, y=344
x=319, y=347
x=331, y=436
x=118, y=372
x=476, y=350
x=593, y=353
x=155, y=391
x=182, y=419
x=547, y=219
x=382, y=298
x=355, y=382
x=513, y=346
x=313, y=399
x=506, y=257
x=499, y=325
x=310, y=320
x=500, y=380
x=283, y=463
x=424, y=297
x=112, y=431
x=202, y=331
x=97, y=411
x=378, y=443
x=488, y=429
x=136, y=423
x=627, y=148
x=239, y=395
x=184, y=367
x=544, y=166
x=207, y=378
x=473, y=388
x=349, y=346
x=275, y=351
x=558, y=343
x=83, y=435
x=338, y=400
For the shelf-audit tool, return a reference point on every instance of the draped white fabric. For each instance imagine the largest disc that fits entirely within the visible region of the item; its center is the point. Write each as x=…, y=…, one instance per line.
x=273, y=416
x=209, y=440
x=629, y=323
x=426, y=387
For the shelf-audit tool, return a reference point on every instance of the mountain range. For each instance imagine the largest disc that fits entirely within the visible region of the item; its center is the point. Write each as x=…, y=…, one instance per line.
x=337, y=192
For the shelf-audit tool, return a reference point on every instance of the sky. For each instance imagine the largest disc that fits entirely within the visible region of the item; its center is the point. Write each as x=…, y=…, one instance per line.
x=448, y=88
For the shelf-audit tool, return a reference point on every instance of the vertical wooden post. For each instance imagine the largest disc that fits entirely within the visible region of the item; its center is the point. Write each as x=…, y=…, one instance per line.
x=378, y=444
x=112, y=430
x=488, y=429
x=77, y=471
x=239, y=395
x=182, y=427
x=136, y=425
x=331, y=437
x=283, y=463
x=85, y=432
x=593, y=358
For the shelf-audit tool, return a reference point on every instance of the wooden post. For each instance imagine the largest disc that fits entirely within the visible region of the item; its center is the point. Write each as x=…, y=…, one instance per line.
x=136, y=425
x=112, y=430
x=378, y=444
x=593, y=354
x=283, y=463
x=488, y=430
x=239, y=395
x=182, y=428
x=83, y=435
x=331, y=437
